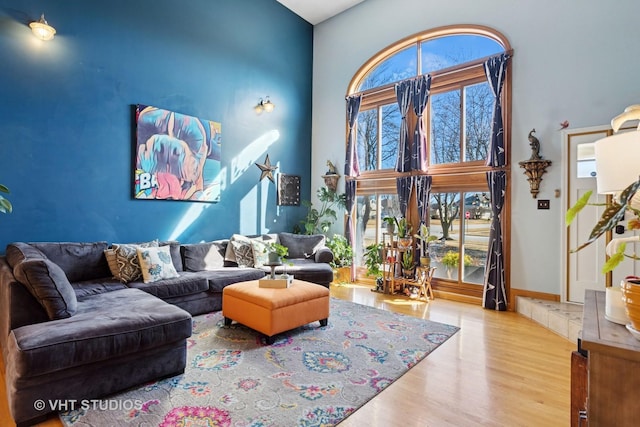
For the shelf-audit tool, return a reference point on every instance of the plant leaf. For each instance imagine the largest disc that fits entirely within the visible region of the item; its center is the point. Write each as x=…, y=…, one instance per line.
x=5, y=205
x=609, y=219
x=580, y=204
x=4, y=188
x=615, y=259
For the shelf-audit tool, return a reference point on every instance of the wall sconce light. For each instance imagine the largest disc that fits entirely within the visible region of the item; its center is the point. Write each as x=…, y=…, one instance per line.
x=42, y=30
x=535, y=167
x=264, y=105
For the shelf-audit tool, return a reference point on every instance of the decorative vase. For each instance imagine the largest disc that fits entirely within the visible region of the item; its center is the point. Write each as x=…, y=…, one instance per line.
x=614, y=310
x=391, y=228
x=631, y=299
x=407, y=273
x=404, y=242
x=274, y=258
x=425, y=261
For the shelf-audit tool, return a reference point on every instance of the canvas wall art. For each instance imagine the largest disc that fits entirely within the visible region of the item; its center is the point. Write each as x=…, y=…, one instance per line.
x=177, y=156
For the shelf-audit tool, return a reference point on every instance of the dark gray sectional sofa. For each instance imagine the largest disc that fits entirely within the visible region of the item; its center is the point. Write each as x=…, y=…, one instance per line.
x=70, y=331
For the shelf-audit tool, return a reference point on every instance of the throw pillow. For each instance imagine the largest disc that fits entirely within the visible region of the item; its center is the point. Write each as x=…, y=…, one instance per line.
x=46, y=281
x=127, y=259
x=260, y=254
x=301, y=245
x=156, y=264
x=243, y=252
x=110, y=255
x=202, y=256
x=230, y=254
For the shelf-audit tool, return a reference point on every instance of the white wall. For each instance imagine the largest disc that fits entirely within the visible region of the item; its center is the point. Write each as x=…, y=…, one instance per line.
x=574, y=60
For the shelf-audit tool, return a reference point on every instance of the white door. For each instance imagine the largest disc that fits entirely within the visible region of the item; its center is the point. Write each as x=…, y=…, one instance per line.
x=583, y=269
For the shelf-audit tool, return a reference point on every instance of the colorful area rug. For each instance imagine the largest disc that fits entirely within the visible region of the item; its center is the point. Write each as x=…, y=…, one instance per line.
x=311, y=376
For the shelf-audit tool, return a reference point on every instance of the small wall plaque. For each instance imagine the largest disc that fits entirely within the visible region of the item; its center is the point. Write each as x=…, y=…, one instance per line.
x=288, y=190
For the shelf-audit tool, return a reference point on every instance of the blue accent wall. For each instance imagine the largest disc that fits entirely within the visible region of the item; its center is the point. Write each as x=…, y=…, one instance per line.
x=67, y=125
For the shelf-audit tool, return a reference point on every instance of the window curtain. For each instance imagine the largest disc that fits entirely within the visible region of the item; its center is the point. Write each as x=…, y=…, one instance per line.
x=421, y=86
x=423, y=193
x=495, y=294
x=403, y=186
x=403, y=94
x=351, y=167
x=350, y=192
x=495, y=68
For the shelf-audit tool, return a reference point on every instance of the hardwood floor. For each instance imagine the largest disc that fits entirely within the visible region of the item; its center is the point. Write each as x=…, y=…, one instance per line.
x=500, y=369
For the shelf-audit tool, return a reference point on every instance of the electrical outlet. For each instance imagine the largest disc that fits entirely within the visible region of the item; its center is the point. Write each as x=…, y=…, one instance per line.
x=543, y=204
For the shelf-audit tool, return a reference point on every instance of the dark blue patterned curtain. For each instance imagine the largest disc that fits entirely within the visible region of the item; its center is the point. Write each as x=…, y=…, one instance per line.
x=495, y=68
x=423, y=193
x=350, y=192
x=403, y=186
x=351, y=167
x=421, y=86
x=403, y=94
x=495, y=293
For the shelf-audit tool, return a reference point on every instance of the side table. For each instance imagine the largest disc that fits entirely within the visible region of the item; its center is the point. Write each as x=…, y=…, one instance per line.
x=424, y=275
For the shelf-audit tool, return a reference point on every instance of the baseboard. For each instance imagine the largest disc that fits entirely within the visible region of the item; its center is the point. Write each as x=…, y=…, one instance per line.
x=457, y=297
x=515, y=293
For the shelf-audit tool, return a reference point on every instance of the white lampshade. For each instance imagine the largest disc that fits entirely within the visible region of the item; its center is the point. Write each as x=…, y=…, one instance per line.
x=617, y=161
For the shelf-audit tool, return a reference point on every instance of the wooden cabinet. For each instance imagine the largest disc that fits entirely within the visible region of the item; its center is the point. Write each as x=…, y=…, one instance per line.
x=613, y=367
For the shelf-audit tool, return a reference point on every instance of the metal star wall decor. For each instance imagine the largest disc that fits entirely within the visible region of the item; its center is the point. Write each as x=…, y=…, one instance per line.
x=267, y=169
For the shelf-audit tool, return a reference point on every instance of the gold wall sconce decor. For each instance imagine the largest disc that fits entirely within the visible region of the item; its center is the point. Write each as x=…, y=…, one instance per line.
x=42, y=30
x=331, y=177
x=264, y=105
x=536, y=166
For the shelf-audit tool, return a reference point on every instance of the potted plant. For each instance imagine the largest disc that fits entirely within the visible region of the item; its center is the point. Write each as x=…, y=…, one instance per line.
x=391, y=224
x=373, y=260
x=318, y=221
x=404, y=233
x=342, y=257
x=451, y=259
x=425, y=238
x=407, y=264
x=5, y=205
x=276, y=252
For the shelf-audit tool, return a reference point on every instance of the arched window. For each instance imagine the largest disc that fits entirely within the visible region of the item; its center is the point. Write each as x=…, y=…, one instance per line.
x=457, y=121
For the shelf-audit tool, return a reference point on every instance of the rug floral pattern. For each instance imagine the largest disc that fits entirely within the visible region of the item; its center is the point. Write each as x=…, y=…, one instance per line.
x=310, y=376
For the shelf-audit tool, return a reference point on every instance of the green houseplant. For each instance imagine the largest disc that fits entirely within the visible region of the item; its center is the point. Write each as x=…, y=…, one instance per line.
x=404, y=233
x=451, y=259
x=276, y=252
x=373, y=260
x=318, y=221
x=391, y=224
x=425, y=238
x=5, y=205
x=342, y=257
x=408, y=264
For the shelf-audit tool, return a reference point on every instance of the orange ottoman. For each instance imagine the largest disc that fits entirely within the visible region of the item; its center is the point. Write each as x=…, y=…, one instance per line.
x=272, y=311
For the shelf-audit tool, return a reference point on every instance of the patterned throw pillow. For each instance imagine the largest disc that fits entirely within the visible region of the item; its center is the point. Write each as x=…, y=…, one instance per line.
x=156, y=264
x=260, y=254
x=243, y=252
x=230, y=254
x=127, y=259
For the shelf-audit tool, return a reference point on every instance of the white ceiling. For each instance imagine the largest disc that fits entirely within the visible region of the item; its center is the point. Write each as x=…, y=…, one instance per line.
x=316, y=11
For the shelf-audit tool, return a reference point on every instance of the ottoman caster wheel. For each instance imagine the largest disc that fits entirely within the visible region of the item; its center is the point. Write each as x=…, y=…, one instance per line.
x=227, y=321
x=324, y=322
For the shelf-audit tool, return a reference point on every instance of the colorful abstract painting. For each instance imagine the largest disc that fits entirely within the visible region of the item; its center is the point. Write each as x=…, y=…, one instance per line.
x=177, y=156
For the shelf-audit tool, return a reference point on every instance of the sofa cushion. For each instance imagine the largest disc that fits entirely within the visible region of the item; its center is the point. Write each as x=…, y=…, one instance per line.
x=202, y=256
x=186, y=283
x=79, y=261
x=19, y=251
x=176, y=257
x=156, y=264
x=301, y=245
x=92, y=287
x=49, y=285
x=222, y=277
x=127, y=259
x=106, y=326
x=260, y=253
